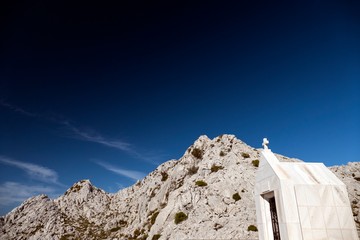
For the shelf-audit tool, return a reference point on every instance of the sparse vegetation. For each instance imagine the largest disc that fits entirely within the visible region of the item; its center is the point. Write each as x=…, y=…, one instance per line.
x=222, y=154
x=245, y=155
x=200, y=183
x=153, y=217
x=217, y=226
x=137, y=232
x=252, y=228
x=156, y=237
x=236, y=197
x=255, y=163
x=123, y=223
x=153, y=192
x=107, y=223
x=192, y=170
x=164, y=176
x=74, y=188
x=179, y=217
x=84, y=225
x=179, y=183
x=144, y=237
x=115, y=229
x=198, y=153
x=215, y=168
x=67, y=237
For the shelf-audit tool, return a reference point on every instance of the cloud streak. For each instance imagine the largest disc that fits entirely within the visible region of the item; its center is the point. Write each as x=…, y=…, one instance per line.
x=13, y=193
x=35, y=171
x=91, y=136
x=97, y=138
x=86, y=135
x=135, y=175
x=17, y=109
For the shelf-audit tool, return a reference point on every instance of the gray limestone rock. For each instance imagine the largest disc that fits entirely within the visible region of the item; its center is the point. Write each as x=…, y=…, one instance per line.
x=221, y=207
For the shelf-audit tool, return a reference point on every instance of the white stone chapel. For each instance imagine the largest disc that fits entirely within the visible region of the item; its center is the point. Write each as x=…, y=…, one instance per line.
x=298, y=200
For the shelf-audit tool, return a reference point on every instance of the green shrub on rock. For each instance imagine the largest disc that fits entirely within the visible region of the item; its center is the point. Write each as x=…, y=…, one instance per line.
x=164, y=176
x=236, y=197
x=252, y=228
x=192, y=170
x=198, y=153
x=179, y=217
x=156, y=237
x=153, y=218
x=200, y=183
x=215, y=168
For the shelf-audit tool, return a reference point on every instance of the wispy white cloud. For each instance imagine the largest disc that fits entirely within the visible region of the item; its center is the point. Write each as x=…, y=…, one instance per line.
x=135, y=175
x=16, y=108
x=97, y=138
x=50, y=117
x=35, y=171
x=13, y=193
x=87, y=135
x=92, y=136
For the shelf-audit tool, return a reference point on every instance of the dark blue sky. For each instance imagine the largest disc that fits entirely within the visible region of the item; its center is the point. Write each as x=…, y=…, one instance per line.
x=108, y=92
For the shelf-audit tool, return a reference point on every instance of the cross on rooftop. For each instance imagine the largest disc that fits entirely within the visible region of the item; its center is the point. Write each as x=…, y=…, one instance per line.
x=265, y=143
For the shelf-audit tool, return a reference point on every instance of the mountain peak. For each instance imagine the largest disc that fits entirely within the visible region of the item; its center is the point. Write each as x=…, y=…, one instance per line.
x=207, y=193
x=80, y=193
x=81, y=186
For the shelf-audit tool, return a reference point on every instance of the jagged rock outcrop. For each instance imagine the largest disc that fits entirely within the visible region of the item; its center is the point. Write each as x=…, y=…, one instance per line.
x=349, y=174
x=206, y=194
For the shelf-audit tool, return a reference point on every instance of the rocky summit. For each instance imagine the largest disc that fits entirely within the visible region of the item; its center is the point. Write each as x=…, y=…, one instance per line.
x=206, y=194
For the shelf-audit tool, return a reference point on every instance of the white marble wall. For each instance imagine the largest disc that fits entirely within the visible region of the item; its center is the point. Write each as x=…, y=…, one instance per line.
x=311, y=202
x=325, y=212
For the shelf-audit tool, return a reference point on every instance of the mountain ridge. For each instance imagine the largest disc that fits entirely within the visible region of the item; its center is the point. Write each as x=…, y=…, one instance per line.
x=207, y=193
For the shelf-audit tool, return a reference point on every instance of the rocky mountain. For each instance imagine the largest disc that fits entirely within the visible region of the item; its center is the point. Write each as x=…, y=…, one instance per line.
x=206, y=194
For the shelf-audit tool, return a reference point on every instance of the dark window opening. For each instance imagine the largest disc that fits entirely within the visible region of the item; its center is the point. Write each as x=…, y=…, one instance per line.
x=274, y=219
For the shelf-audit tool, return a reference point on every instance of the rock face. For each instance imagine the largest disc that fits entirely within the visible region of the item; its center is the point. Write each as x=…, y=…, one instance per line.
x=206, y=194
x=350, y=175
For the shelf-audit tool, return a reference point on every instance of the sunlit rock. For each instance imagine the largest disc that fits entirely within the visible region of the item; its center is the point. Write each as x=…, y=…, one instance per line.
x=149, y=207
